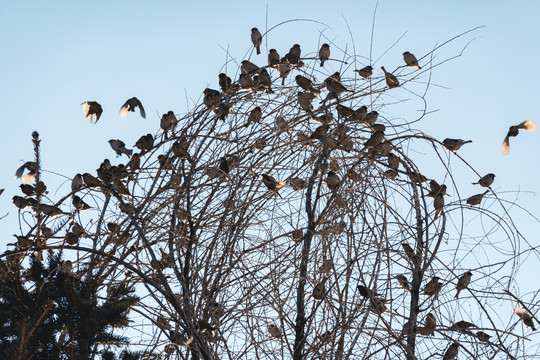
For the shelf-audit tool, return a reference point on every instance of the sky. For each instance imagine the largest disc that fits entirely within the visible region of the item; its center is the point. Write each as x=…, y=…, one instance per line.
x=57, y=54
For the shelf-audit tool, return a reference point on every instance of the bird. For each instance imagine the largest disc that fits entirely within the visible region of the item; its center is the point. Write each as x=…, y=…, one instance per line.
x=462, y=326
x=28, y=190
x=212, y=98
x=272, y=184
x=410, y=253
x=365, y=292
x=51, y=210
x=284, y=69
x=454, y=144
x=438, y=204
x=377, y=305
x=525, y=317
x=20, y=202
x=248, y=68
x=463, y=282
x=436, y=189
x=266, y=81
x=371, y=117
x=305, y=83
x=245, y=81
x=305, y=99
x=324, y=53
x=476, y=199
x=365, y=72
x=486, y=180
x=433, y=287
x=273, y=58
x=91, y=181
x=297, y=184
x=120, y=147
x=513, y=132
x=482, y=336
x=451, y=352
x=145, y=143
x=410, y=60
x=91, y=108
x=430, y=323
x=80, y=204
x=344, y=111
x=293, y=56
x=274, y=331
x=335, y=86
x=256, y=39
x=31, y=166
x=393, y=161
x=76, y=183
x=403, y=282
x=333, y=181
x=224, y=167
x=224, y=82
x=134, y=163
x=296, y=235
x=180, y=150
x=131, y=105
x=376, y=138
x=255, y=116
x=319, y=291
x=390, y=79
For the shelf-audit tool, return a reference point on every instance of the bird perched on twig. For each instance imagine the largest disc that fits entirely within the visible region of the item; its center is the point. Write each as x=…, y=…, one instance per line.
x=333, y=181
x=306, y=84
x=305, y=99
x=256, y=39
x=525, y=317
x=438, y=204
x=433, y=287
x=145, y=143
x=120, y=147
x=131, y=105
x=80, y=204
x=324, y=53
x=224, y=82
x=463, y=282
x=365, y=72
x=255, y=116
x=91, y=181
x=248, y=68
x=319, y=291
x=91, y=108
x=272, y=184
x=274, y=331
x=266, y=81
x=410, y=60
x=513, y=132
x=403, y=282
x=485, y=180
x=451, y=352
x=390, y=79
x=454, y=144
x=476, y=199
x=273, y=58
x=212, y=98
x=77, y=183
x=376, y=138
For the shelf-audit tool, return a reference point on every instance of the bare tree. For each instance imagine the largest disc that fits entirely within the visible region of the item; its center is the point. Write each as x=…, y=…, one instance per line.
x=291, y=219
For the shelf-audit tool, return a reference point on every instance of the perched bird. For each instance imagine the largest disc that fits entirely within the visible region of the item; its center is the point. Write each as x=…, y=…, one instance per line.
x=256, y=39
x=28, y=190
x=513, y=132
x=451, y=352
x=273, y=58
x=364, y=291
x=180, y=150
x=131, y=105
x=410, y=253
x=371, y=117
x=91, y=181
x=342, y=110
x=525, y=317
x=91, y=108
x=145, y=143
x=438, y=204
x=430, y=323
x=462, y=326
x=305, y=99
x=272, y=184
x=433, y=287
x=224, y=82
x=120, y=147
x=305, y=84
x=80, y=204
x=245, y=81
x=410, y=60
x=296, y=235
x=390, y=79
x=293, y=56
x=77, y=183
x=20, y=202
x=319, y=291
x=335, y=86
x=248, y=68
x=376, y=138
x=436, y=189
x=482, y=336
x=324, y=53
x=463, y=282
x=212, y=98
x=224, y=167
x=134, y=163
x=297, y=184
x=485, y=180
x=377, y=305
x=403, y=282
x=333, y=181
x=365, y=72
x=266, y=81
x=51, y=210
x=454, y=144
x=274, y=331
x=393, y=161
x=255, y=116
x=476, y=199
x=284, y=69
x=334, y=77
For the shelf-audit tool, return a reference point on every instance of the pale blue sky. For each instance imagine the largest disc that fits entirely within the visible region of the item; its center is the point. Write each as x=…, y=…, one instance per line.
x=57, y=54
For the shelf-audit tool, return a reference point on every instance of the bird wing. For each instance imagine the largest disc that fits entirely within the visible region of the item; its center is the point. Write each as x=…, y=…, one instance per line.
x=506, y=145
x=528, y=125
x=124, y=110
x=141, y=108
x=86, y=111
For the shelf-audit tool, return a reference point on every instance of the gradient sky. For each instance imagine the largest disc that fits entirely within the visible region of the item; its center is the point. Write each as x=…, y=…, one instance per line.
x=57, y=54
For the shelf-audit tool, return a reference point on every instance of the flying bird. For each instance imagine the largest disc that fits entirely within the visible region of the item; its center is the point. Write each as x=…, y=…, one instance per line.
x=513, y=132
x=256, y=39
x=324, y=53
x=525, y=317
x=486, y=180
x=454, y=144
x=120, y=147
x=410, y=60
x=91, y=108
x=131, y=105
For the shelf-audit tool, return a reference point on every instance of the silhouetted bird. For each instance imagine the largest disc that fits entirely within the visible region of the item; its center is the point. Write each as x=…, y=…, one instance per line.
x=273, y=58
x=91, y=108
x=145, y=143
x=463, y=282
x=486, y=180
x=454, y=144
x=410, y=60
x=256, y=39
x=131, y=105
x=324, y=53
x=224, y=82
x=120, y=147
x=513, y=132
x=248, y=68
x=476, y=199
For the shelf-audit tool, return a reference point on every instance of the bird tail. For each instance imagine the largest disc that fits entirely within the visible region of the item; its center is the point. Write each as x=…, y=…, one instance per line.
x=418, y=66
x=258, y=49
